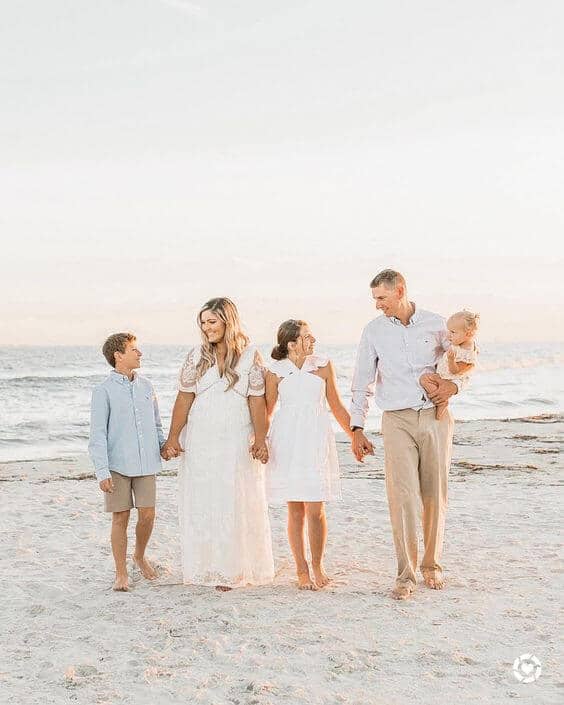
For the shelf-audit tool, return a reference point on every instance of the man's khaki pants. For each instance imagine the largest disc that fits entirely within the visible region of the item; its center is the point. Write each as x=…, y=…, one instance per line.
x=417, y=453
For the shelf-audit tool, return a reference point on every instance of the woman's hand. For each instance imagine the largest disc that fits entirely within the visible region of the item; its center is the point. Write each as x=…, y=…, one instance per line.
x=259, y=451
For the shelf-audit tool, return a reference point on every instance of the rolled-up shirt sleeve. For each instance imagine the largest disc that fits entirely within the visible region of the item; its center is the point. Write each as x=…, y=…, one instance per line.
x=98, y=444
x=364, y=378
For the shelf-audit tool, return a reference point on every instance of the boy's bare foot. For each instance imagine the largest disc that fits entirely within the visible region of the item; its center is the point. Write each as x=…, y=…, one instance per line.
x=145, y=567
x=305, y=582
x=434, y=579
x=402, y=591
x=223, y=588
x=321, y=577
x=121, y=583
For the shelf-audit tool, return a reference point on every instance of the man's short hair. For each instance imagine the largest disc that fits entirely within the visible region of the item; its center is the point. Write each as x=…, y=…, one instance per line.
x=116, y=343
x=389, y=278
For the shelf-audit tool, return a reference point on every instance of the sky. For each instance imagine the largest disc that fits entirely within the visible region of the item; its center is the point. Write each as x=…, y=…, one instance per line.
x=158, y=153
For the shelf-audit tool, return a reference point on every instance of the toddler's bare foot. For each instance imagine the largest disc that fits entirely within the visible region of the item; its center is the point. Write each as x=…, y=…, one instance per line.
x=321, y=577
x=441, y=410
x=121, y=583
x=305, y=582
x=145, y=567
x=402, y=591
x=434, y=579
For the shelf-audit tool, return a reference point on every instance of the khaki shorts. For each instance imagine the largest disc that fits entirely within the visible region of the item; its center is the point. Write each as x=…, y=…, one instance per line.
x=143, y=488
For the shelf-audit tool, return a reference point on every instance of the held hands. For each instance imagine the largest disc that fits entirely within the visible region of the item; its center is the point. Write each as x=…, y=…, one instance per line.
x=259, y=451
x=107, y=485
x=171, y=449
x=360, y=445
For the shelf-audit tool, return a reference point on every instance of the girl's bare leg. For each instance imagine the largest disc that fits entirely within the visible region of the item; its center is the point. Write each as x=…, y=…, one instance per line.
x=296, y=525
x=429, y=382
x=317, y=532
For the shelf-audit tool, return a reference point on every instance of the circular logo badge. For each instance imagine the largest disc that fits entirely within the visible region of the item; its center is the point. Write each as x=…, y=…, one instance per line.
x=527, y=668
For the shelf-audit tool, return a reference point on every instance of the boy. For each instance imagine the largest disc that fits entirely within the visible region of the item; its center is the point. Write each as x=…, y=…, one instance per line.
x=126, y=437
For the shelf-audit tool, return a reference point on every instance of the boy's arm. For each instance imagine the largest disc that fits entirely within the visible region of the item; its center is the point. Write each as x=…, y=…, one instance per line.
x=158, y=422
x=98, y=444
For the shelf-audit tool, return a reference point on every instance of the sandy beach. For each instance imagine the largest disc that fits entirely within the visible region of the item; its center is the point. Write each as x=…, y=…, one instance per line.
x=67, y=637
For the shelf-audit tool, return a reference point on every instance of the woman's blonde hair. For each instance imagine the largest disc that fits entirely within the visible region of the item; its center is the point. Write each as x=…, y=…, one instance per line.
x=470, y=319
x=235, y=339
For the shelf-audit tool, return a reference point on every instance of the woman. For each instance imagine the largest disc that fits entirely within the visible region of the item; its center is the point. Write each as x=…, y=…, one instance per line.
x=220, y=410
x=303, y=470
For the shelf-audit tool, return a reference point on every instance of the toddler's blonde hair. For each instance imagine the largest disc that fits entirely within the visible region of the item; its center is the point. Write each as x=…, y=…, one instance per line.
x=470, y=319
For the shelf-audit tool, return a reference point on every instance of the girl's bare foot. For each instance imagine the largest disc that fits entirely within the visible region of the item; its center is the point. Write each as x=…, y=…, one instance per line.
x=305, y=582
x=121, y=583
x=321, y=577
x=145, y=567
x=434, y=579
x=402, y=591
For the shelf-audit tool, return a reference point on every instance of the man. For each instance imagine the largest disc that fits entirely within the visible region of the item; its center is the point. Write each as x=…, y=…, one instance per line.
x=126, y=438
x=394, y=351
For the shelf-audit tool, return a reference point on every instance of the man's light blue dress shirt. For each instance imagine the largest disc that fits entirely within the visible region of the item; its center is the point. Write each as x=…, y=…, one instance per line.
x=126, y=433
x=390, y=360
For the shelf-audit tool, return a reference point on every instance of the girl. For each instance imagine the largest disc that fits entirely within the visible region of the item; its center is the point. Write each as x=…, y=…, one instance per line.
x=303, y=469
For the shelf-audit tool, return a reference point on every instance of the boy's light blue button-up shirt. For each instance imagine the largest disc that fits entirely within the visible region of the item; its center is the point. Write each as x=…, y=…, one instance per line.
x=126, y=433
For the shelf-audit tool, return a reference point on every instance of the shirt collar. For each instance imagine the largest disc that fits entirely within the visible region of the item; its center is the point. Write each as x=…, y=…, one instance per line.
x=122, y=379
x=415, y=316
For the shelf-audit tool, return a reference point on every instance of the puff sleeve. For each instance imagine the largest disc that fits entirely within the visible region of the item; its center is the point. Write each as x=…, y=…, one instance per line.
x=187, y=377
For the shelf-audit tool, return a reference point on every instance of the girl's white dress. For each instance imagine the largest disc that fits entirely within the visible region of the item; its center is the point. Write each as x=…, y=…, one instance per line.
x=303, y=465
x=224, y=526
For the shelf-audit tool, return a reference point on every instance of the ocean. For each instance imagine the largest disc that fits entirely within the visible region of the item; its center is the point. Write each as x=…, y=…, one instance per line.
x=45, y=391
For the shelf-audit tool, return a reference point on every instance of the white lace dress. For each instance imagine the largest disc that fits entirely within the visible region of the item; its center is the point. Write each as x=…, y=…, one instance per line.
x=223, y=512
x=303, y=465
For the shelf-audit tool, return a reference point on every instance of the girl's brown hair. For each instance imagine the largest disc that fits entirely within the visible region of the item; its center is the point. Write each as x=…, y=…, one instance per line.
x=288, y=332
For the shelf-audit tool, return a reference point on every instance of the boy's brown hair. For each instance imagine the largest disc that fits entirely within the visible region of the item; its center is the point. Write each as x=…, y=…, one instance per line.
x=116, y=343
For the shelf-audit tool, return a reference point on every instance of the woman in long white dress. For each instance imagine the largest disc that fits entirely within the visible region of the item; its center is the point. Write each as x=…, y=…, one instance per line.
x=219, y=426
x=303, y=469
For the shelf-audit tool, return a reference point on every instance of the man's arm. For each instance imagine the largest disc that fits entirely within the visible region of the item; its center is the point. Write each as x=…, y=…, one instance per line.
x=362, y=389
x=363, y=380
x=98, y=444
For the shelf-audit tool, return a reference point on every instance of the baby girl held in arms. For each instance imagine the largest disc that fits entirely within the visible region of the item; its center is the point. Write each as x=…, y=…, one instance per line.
x=460, y=359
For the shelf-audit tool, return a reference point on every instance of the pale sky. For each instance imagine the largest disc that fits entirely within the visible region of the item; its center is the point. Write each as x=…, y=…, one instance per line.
x=157, y=153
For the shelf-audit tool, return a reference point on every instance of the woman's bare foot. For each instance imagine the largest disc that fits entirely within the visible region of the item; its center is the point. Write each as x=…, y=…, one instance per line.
x=305, y=582
x=121, y=583
x=321, y=577
x=145, y=567
x=434, y=579
x=223, y=588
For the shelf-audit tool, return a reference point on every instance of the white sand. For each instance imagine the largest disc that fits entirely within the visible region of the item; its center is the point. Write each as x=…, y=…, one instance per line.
x=67, y=637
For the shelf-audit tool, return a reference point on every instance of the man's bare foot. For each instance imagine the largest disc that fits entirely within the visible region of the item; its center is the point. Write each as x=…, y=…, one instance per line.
x=223, y=588
x=145, y=567
x=305, y=582
x=121, y=583
x=321, y=577
x=402, y=591
x=434, y=579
